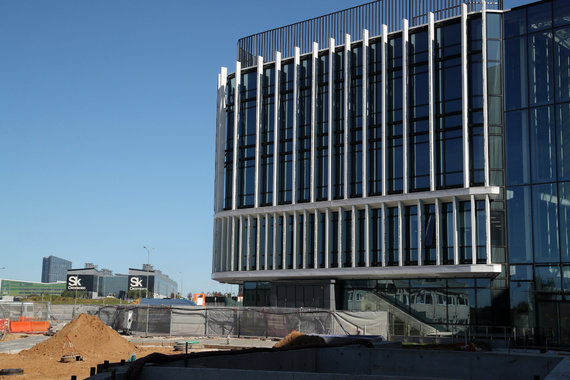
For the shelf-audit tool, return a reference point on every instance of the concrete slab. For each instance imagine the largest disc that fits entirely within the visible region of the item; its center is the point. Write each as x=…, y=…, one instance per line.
x=15, y=346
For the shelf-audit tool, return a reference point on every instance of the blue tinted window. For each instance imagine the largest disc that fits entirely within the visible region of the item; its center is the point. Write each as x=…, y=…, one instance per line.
x=548, y=278
x=540, y=17
x=515, y=23
x=516, y=95
x=540, y=77
x=392, y=240
x=543, y=149
x=517, y=146
x=562, y=62
x=563, y=140
x=564, y=214
x=493, y=25
x=519, y=224
x=562, y=13
x=545, y=223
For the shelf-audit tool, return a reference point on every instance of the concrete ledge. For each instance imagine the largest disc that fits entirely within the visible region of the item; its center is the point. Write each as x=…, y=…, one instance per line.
x=424, y=271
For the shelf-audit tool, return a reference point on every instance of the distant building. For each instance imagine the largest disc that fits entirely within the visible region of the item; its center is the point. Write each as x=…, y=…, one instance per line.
x=15, y=288
x=97, y=282
x=159, y=284
x=54, y=269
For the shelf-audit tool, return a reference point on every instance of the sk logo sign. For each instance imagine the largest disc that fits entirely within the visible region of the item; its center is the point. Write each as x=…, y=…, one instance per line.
x=136, y=282
x=74, y=281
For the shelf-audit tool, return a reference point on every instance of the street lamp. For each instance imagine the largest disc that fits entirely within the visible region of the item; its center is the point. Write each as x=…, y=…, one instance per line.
x=147, y=267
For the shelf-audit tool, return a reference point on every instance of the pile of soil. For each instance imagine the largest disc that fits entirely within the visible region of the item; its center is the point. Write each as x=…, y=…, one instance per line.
x=295, y=338
x=88, y=335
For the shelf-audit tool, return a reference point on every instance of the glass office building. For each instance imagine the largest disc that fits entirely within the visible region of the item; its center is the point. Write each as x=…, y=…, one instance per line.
x=54, y=269
x=409, y=155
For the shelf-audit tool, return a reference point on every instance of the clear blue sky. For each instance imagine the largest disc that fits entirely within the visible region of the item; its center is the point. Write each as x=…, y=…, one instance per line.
x=107, y=118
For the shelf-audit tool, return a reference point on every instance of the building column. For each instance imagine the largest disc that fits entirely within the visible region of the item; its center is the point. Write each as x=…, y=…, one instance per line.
x=473, y=231
x=266, y=243
x=405, y=124
x=437, y=232
x=401, y=209
x=353, y=235
x=327, y=237
x=330, y=114
x=485, y=98
x=236, y=134
x=340, y=237
x=383, y=234
x=421, y=224
x=431, y=100
x=295, y=233
x=240, y=240
x=488, y=227
x=249, y=253
x=316, y=240
x=275, y=240
x=258, y=130
x=465, y=96
x=258, y=244
x=305, y=231
x=384, y=43
x=314, y=58
x=220, y=140
x=276, y=138
x=367, y=235
x=296, y=63
x=455, y=232
x=346, y=111
x=365, y=113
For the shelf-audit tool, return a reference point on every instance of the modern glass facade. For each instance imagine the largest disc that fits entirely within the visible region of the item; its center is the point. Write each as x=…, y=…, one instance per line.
x=54, y=269
x=423, y=168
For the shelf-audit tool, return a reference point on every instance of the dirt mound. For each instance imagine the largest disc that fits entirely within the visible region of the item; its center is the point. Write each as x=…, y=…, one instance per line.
x=296, y=338
x=88, y=335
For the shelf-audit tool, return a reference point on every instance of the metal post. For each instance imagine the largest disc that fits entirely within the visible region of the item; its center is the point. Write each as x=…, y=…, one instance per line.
x=147, y=312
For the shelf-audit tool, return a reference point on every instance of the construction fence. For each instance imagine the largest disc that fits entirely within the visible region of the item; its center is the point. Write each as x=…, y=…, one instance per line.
x=208, y=321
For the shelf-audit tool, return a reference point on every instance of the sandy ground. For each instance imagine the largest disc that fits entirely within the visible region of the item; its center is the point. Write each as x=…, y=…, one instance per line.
x=96, y=342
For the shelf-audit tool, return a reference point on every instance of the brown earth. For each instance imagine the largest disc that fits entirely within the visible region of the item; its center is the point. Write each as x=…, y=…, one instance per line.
x=296, y=338
x=90, y=337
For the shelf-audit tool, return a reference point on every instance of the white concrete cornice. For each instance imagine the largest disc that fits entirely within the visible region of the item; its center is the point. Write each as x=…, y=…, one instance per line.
x=393, y=199
x=388, y=272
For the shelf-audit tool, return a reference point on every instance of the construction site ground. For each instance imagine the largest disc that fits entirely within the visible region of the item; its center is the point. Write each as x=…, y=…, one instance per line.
x=39, y=356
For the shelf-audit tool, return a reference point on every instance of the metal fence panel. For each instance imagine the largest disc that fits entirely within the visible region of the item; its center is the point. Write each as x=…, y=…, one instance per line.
x=187, y=322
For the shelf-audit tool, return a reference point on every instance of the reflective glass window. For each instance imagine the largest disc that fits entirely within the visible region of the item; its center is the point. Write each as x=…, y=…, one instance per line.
x=286, y=134
x=494, y=26
x=521, y=272
x=338, y=125
x=566, y=278
x=347, y=239
x=267, y=137
x=464, y=232
x=395, y=156
x=517, y=147
x=392, y=236
x=429, y=240
x=410, y=238
x=374, y=97
x=562, y=13
x=515, y=23
x=481, y=221
x=303, y=172
x=519, y=213
x=542, y=143
x=247, y=137
x=563, y=140
x=447, y=228
x=322, y=128
x=516, y=93
x=289, y=245
x=375, y=237
x=310, y=258
x=355, y=123
x=564, y=214
x=270, y=243
x=300, y=238
x=547, y=278
x=562, y=63
x=545, y=223
x=540, y=16
x=334, y=240
x=360, y=238
x=522, y=304
x=229, y=144
x=322, y=246
x=540, y=76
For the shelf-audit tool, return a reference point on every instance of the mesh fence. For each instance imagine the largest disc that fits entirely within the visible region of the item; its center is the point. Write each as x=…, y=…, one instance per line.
x=206, y=321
